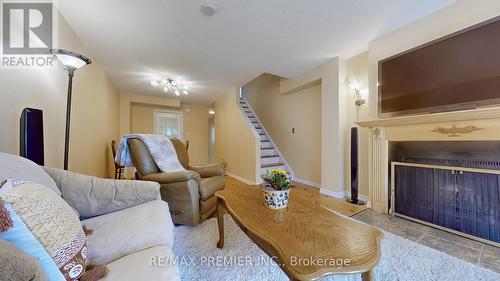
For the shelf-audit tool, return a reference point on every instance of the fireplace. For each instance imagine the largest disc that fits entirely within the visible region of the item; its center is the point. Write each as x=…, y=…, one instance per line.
x=464, y=141
x=450, y=185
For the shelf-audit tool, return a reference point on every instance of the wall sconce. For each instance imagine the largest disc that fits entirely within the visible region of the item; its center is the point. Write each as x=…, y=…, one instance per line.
x=359, y=98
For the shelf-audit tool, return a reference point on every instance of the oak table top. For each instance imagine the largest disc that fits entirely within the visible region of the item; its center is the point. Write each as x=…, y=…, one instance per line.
x=307, y=239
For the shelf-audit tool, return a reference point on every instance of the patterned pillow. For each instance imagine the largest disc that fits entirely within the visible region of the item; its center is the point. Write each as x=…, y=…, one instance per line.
x=53, y=223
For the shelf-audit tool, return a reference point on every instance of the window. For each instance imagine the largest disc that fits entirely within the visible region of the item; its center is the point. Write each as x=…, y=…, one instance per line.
x=168, y=124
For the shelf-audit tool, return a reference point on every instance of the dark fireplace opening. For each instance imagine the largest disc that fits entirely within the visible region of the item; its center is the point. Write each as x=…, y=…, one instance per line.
x=472, y=154
x=454, y=186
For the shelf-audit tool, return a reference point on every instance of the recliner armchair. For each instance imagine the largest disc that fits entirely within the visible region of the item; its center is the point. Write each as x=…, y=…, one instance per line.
x=189, y=193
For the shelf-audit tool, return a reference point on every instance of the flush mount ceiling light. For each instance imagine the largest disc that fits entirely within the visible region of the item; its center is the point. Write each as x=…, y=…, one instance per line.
x=209, y=8
x=170, y=85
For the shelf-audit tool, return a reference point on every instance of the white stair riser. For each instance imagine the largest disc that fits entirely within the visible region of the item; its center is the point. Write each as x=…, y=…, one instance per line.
x=268, y=152
x=266, y=144
x=271, y=160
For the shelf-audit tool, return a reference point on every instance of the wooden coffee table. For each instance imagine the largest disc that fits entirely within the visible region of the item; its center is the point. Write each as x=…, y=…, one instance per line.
x=307, y=240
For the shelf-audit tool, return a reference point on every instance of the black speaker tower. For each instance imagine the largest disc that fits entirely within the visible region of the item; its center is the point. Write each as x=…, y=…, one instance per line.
x=31, y=139
x=354, y=168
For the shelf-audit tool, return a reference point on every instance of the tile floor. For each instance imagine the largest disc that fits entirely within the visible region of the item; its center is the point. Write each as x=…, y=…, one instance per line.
x=463, y=248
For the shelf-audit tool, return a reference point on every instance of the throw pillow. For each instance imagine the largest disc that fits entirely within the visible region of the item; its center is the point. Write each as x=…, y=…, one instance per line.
x=52, y=222
x=19, y=235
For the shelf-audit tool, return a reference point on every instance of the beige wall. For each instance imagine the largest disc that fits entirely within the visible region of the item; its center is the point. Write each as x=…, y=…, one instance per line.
x=126, y=101
x=142, y=118
x=279, y=113
x=195, y=126
x=235, y=142
x=357, y=76
x=332, y=76
x=95, y=110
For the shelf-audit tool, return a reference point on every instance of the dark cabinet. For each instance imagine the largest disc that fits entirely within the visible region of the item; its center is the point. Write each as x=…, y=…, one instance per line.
x=464, y=201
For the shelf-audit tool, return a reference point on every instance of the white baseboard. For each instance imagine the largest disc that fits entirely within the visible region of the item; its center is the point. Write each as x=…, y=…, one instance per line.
x=307, y=182
x=249, y=182
x=360, y=196
x=344, y=194
x=335, y=194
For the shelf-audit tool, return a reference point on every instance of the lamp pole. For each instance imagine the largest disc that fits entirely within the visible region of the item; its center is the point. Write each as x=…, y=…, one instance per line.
x=71, y=71
x=71, y=61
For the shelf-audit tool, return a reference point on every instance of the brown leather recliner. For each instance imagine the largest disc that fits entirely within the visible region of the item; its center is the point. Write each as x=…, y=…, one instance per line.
x=189, y=193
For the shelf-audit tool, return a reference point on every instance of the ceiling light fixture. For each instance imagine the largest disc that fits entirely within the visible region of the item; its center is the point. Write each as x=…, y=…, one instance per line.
x=209, y=8
x=170, y=85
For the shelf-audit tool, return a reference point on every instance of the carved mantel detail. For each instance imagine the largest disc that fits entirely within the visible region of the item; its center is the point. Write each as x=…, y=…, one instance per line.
x=455, y=131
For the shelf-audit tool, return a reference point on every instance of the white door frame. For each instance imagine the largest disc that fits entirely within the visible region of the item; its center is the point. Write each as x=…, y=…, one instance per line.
x=181, y=115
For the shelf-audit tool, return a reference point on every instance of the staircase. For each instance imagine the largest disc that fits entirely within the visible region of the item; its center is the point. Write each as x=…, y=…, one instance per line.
x=270, y=157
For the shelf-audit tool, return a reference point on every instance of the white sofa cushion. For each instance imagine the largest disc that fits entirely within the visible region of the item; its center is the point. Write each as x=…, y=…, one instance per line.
x=144, y=265
x=15, y=167
x=127, y=231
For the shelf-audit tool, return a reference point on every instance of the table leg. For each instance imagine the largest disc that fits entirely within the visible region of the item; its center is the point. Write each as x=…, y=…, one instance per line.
x=220, y=223
x=368, y=276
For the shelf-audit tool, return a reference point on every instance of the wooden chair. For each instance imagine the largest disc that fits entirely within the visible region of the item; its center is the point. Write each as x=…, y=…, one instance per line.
x=118, y=169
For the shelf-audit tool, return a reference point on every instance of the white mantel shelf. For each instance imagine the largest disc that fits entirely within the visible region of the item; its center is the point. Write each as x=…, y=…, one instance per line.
x=443, y=126
x=462, y=115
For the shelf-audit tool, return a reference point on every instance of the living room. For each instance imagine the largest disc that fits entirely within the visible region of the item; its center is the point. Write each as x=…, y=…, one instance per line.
x=250, y=140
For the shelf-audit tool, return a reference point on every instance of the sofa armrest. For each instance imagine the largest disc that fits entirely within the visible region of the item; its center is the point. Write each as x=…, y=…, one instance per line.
x=209, y=170
x=92, y=196
x=166, y=178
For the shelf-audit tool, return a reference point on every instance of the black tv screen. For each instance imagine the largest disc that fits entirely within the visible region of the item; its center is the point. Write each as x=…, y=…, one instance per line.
x=459, y=71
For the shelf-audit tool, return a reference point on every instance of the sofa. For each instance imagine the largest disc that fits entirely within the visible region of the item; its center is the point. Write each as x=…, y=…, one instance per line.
x=189, y=193
x=131, y=226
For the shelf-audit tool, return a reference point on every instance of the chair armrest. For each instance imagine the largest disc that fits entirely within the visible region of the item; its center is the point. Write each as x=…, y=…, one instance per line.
x=166, y=178
x=209, y=170
x=92, y=196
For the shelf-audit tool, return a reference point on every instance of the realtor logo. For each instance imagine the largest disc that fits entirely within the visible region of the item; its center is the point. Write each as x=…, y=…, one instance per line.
x=28, y=30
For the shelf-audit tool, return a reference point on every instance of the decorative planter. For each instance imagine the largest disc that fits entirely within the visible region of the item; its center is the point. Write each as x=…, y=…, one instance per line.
x=274, y=199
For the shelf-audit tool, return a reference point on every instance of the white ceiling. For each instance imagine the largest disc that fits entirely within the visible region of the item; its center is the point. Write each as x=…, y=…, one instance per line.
x=136, y=41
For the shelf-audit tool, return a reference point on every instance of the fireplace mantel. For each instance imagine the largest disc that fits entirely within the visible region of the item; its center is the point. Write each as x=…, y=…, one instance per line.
x=482, y=124
x=453, y=116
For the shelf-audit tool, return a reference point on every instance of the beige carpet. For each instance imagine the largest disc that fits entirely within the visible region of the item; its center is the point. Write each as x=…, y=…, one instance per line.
x=240, y=259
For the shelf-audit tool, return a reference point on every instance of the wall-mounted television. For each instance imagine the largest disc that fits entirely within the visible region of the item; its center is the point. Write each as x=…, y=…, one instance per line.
x=459, y=71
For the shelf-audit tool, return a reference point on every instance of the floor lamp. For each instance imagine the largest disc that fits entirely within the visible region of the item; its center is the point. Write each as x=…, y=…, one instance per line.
x=71, y=61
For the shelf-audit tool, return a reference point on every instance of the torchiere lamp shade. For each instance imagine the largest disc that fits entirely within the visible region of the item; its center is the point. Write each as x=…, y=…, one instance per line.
x=70, y=60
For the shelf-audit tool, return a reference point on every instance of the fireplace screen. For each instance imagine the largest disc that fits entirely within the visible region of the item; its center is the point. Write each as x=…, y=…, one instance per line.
x=459, y=199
